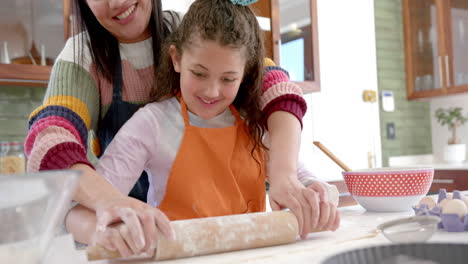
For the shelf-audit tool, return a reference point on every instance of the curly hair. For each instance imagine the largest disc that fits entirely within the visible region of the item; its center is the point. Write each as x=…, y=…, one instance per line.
x=229, y=25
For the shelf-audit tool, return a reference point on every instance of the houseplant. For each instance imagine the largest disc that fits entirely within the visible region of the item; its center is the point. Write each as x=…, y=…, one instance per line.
x=455, y=151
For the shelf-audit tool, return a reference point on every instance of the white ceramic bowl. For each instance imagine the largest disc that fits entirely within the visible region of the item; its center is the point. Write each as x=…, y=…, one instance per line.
x=389, y=189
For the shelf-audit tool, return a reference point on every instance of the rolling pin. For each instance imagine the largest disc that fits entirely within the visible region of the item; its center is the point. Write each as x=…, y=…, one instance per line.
x=203, y=236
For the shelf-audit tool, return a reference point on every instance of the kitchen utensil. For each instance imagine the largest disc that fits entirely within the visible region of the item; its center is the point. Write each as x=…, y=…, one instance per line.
x=427, y=253
x=385, y=189
x=31, y=207
x=412, y=229
x=331, y=156
x=32, y=55
x=6, y=54
x=404, y=230
x=211, y=235
x=13, y=33
x=389, y=189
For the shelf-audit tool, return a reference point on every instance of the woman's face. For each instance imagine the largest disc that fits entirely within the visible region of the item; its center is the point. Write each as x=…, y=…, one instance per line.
x=127, y=20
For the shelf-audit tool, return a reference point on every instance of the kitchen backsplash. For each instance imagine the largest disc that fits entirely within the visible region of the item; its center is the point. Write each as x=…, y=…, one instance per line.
x=411, y=119
x=16, y=103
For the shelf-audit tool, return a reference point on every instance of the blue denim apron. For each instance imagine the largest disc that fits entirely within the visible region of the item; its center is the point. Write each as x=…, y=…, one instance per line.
x=117, y=114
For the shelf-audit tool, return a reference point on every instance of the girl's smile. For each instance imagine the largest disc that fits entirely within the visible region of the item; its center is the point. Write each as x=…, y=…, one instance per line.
x=207, y=101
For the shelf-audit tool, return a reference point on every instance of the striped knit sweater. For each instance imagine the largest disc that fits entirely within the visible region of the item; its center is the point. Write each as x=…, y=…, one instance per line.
x=62, y=130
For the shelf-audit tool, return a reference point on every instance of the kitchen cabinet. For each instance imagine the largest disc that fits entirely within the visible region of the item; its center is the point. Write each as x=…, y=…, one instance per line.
x=449, y=179
x=267, y=9
x=29, y=28
x=436, y=44
x=292, y=40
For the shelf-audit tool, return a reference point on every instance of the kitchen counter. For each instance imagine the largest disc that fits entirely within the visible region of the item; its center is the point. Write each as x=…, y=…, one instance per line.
x=448, y=166
x=355, y=222
x=428, y=160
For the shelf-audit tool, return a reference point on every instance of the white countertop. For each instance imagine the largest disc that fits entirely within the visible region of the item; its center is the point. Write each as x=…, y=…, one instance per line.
x=450, y=166
x=355, y=223
x=428, y=160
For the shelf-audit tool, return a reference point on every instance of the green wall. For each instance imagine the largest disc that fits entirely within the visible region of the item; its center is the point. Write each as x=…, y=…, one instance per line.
x=411, y=118
x=16, y=103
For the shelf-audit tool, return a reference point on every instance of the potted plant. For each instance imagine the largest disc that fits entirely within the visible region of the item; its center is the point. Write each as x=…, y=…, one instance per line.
x=455, y=151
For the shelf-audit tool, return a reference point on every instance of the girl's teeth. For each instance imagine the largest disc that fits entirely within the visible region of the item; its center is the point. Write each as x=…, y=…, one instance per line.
x=126, y=13
x=207, y=102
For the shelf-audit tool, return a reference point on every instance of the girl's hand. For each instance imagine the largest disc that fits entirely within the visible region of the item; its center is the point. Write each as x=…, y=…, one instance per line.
x=311, y=205
x=130, y=226
x=288, y=192
x=329, y=214
x=118, y=237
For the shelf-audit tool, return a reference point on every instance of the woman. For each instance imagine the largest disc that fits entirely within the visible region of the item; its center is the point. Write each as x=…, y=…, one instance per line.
x=99, y=80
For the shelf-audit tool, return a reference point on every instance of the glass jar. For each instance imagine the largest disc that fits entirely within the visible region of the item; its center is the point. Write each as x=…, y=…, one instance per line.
x=12, y=159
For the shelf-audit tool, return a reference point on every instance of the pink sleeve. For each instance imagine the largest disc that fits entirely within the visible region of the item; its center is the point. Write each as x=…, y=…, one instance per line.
x=281, y=94
x=305, y=176
x=126, y=156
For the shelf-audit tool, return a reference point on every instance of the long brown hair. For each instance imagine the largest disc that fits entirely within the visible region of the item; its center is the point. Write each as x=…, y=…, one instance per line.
x=104, y=47
x=229, y=25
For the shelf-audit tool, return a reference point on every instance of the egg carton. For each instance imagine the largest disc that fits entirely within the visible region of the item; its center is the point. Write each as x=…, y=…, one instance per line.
x=449, y=222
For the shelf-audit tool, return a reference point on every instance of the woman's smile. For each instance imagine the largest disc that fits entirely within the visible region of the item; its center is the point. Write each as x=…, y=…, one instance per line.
x=126, y=15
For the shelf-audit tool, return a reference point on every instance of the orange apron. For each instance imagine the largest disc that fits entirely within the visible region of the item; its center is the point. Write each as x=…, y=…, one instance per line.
x=214, y=173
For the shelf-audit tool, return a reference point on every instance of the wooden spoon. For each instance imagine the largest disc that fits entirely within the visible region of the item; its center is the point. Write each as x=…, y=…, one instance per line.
x=331, y=156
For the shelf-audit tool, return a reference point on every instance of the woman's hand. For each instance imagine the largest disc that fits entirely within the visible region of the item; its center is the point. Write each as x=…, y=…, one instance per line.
x=130, y=226
x=311, y=205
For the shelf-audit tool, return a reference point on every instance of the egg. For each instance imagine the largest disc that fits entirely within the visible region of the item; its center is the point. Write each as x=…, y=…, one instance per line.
x=443, y=202
x=429, y=201
x=465, y=199
x=449, y=196
x=455, y=206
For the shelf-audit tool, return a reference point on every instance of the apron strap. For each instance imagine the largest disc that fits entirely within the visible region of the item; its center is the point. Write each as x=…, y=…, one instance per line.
x=118, y=82
x=183, y=109
x=235, y=113
x=116, y=95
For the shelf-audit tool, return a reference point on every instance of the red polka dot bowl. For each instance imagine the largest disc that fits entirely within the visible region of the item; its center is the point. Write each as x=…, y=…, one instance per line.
x=389, y=189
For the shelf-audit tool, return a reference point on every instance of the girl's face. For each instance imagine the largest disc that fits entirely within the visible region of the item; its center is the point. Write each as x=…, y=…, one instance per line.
x=210, y=76
x=127, y=20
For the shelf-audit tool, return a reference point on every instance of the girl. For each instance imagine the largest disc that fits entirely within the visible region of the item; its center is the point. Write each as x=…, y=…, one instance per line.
x=202, y=147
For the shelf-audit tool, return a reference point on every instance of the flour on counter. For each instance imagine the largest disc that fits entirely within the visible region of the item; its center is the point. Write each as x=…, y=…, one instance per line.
x=20, y=254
